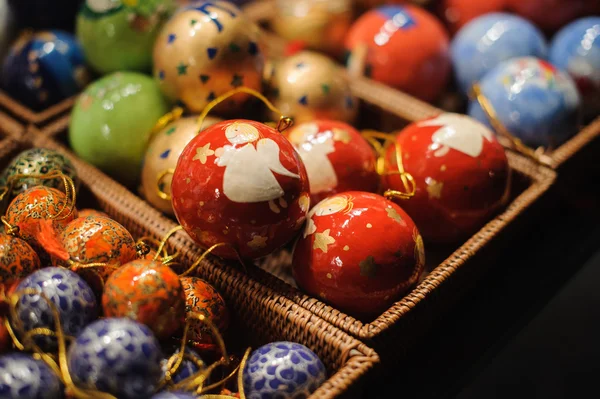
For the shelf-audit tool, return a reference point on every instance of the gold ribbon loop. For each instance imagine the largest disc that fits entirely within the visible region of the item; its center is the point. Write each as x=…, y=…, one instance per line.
x=164, y=120
x=163, y=243
x=197, y=263
x=161, y=193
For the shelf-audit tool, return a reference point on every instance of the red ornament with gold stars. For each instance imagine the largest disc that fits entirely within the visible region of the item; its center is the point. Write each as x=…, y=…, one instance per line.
x=461, y=175
x=359, y=252
x=336, y=156
x=240, y=183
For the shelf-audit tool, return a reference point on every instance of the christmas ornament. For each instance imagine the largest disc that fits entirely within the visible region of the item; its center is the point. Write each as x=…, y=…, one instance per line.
x=72, y=297
x=283, y=369
x=320, y=24
x=308, y=86
x=205, y=50
x=336, y=156
x=147, y=292
x=402, y=46
x=161, y=158
x=22, y=376
x=44, y=14
x=5, y=339
x=190, y=365
x=83, y=213
x=473, y=54
x=457, y=13
x=551, y=15
x=116, y=356
x=460, y=171
x=173, y=395
x=44, y=68
x=112, y=120
x=17, y=259
x=118, y=35
x=359, y=252
x=240, y=184
x=532, y=99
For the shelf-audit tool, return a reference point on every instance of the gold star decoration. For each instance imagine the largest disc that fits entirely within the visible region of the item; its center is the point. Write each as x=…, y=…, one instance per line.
x=393, y=214
x=322, y=240
x=434, y=188
x=368, y=267
x=341, y=135
x=202, y=153
x=257, y=242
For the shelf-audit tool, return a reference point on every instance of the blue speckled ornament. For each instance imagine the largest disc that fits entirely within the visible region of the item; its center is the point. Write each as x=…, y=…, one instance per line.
x=174, y=395
x=489, y=40
x=282, y=370
x=535, y=101
x=43, y=69
x=188, y=367
x=23, y=377
x=117, y=356
x=73, y=298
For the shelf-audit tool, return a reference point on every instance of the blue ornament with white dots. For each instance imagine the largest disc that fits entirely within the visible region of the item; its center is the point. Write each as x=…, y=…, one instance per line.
x=191, y=364
x=282, y=370
x=23, y=377
x=174, y=395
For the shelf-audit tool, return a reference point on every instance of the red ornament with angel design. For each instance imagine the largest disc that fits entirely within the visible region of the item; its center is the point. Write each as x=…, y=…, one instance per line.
x=460, y=170
x=240, y=183
x=359, y=251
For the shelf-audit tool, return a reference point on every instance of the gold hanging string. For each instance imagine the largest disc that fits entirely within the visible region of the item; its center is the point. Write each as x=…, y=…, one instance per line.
x=159, y=178
x=164, y=120
x=9, y=228
x=197, y=263
x=174, y=362
x=163, y=242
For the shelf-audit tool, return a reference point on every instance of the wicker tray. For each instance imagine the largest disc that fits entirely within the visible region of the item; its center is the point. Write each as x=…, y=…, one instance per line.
x=28, y=116
x=260, y=313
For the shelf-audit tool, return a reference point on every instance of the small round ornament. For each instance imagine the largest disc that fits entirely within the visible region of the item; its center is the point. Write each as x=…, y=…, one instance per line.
x=190, y=365
x=148, y=292
x=116, y=356
x=23, y=377
x=72, y=297
x=402, y=46
x=118, y=35
x=461, y=175
x=17, y=259
x=112, y=121
x=83, y=213
x=205, y=50
x=44, y=14
x=359, y=252
x=457, y=13
x=173, y=395
x=240, y=183
x=551, y=15
x=336, y=156
x=532, y=99
x=282, y=369
x=161, y=157
x=474, y=53
x=308, y=86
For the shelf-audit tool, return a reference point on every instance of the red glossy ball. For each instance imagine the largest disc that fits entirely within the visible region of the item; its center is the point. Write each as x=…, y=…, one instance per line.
x=241, y=183
x=359, y=252
x=456, y=13
x=551, y=15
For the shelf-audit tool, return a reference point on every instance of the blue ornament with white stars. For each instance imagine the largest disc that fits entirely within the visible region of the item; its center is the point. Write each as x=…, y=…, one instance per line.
x=72, y=298
x=190, y=365
x=23, y=377
x=282, y=370
x=44, y=68
x=118, y=356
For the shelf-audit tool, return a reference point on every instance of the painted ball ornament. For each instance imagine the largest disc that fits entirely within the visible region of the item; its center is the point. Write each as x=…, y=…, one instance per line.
x=190, y=365
x=401, y=46
x=240, y=183
x=359, y=252
x=22, y=376
x=282, y=369
x=534, y=100
x=551, y=15
x=17, y=259
x=207, y=49
x=83, y=213
x=173, y=395
x=473, y=55
x=336, y=156
x=308, y=86
x=457, y=13
x=116, y=356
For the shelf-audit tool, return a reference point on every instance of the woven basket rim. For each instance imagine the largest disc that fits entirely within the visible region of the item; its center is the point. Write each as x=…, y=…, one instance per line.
x=9, y=127
x=28, y=115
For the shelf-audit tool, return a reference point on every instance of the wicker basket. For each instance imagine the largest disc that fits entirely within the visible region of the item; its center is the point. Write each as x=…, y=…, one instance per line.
x=9, y=127
x=263, y=315
x=28, y=116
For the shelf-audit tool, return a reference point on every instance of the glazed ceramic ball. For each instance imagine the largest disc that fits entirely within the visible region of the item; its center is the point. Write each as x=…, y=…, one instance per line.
x=534, y=101
x=359, y=252
x=44, y=14
x=190, y=365
x=17, y=259
x=173, y=395
x=241, y=183
x=320, y=24
x=148, y=292
x=551, y=15
x=457, y=13
x=401, y=46
x=282, y=369
x=205, y=50
x=6, y=28
x=22, y=376
x=72, y=297
x=162, y=155
x=308, y=86
x=118, y=35
x=112, y=120
x=461, y=174
x=116, y=356
x=336, y=156
x=474, y=54
x=44, y=68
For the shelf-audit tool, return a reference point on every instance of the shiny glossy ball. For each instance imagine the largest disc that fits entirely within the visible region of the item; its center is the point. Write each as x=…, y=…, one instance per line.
x=117, y=356
x=282, y=369
x=17, y=259
x=190, y=365
x=535, y=101
x=474, y=54
x=173, y=395
x=551, y=15
x=457, y=13
x=23, y=377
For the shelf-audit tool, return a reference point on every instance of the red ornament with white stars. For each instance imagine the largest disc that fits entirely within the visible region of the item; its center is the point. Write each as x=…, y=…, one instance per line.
x=241, y=183
x=359, y=252
x=461, y=173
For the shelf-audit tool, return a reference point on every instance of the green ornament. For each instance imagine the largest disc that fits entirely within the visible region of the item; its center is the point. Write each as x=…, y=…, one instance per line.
x=112, y=121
